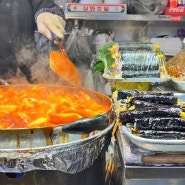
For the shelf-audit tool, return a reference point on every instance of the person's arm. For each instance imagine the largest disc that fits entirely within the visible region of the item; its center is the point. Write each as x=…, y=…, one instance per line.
x=41, y=6
x=49, y=18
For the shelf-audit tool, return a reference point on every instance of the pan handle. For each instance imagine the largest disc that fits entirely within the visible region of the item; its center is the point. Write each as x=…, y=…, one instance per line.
x=82, y=126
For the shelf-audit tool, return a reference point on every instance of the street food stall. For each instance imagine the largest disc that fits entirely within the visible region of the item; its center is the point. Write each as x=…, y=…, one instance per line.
x=86, y=131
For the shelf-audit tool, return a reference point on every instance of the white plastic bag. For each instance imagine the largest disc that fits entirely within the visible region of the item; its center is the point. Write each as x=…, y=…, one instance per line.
x=147, y=6
x=78, y=49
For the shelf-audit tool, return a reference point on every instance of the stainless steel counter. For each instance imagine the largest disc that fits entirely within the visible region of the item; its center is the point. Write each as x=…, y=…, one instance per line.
x=130, y=170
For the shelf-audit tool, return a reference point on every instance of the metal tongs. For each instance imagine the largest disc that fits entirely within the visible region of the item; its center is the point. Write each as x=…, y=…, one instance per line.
x=62, y=65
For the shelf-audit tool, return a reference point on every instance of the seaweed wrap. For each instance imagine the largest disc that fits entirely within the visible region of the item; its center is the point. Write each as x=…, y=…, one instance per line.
x=160, y=123
x=140, y=74
x=139, y=104
x=168, y=135
x=166, y=98
x=130, y=116
x=138, y=68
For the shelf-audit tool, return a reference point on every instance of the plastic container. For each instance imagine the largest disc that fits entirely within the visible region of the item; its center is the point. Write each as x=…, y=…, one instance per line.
x=173, y=3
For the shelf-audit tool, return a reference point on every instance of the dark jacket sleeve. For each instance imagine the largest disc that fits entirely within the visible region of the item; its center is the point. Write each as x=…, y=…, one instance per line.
x=40, y=6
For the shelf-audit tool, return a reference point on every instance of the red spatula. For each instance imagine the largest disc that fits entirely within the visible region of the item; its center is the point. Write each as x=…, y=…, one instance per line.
x=63, y=66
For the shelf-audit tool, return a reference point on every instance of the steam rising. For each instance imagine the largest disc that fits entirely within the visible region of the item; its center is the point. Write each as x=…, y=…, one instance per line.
x=33, y=68
x=42, y=73
x=80, y=48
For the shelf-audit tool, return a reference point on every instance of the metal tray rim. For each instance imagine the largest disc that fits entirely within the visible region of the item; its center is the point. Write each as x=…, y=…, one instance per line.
x=178, y=81
x=109, y=79
x=178, y=84
x=155, y=145
x=128, y=133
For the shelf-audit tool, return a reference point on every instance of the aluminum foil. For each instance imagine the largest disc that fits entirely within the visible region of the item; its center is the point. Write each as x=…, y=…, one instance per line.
x=70, y=158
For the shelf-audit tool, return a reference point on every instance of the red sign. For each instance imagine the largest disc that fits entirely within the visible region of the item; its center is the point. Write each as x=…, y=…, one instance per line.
x=97, y=8
x=176, y=18
x=180, y=10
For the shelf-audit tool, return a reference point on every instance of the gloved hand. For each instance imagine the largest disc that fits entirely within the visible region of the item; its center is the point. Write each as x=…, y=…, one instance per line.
x=48, y=22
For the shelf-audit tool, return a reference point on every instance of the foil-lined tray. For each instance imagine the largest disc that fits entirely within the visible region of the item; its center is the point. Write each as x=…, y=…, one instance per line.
x=70, y=158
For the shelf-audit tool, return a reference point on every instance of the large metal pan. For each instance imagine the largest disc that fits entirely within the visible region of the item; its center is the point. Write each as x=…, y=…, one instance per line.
x=20, y=138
